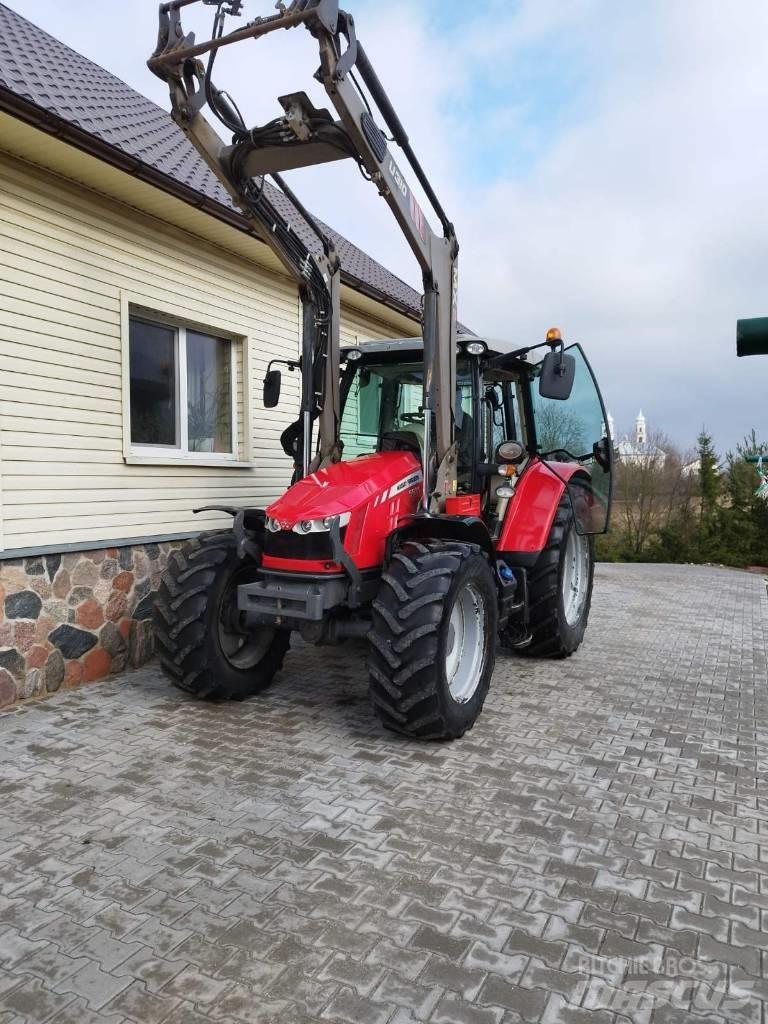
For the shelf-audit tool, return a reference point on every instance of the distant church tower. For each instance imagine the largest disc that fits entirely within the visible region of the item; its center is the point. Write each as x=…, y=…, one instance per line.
x=641, y=434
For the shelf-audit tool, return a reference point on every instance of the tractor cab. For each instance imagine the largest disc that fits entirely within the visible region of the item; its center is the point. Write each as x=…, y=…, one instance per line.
x=505, y=416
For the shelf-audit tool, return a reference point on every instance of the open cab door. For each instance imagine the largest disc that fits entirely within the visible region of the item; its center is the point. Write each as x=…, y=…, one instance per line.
x=574, y=429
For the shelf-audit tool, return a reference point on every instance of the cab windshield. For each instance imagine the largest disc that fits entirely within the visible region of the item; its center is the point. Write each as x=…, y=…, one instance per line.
x=387, y=398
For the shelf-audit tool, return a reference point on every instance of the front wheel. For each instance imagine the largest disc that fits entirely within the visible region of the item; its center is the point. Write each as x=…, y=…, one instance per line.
x=202, y=645
x=560, y=588
x=433, y=639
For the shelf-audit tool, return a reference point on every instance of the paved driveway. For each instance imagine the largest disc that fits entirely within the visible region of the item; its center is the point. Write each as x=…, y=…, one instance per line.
x=591, y=851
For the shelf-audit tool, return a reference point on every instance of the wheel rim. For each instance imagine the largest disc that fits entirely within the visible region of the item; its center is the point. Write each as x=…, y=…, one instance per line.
x=243, y=649
x=575, y=576
x=466, y=644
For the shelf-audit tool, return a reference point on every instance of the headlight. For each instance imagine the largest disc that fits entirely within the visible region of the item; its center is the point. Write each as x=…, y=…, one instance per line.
x=353, y=354
x=476, y=348
x=320, y=525
x=272, y=525
x=510, y=451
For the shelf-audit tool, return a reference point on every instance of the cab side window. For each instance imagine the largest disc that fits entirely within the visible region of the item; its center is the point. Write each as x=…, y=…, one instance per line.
x=499, y=417
x=496, y=426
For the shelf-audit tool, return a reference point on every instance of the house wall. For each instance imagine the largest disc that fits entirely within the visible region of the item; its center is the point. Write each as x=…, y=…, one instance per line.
x=71, y=264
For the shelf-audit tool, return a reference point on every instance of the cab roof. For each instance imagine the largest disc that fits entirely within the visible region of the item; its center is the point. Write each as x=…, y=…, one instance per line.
x=416, y=345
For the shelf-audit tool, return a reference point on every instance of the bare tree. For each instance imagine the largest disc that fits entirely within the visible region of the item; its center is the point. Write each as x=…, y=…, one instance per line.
x=649, y=491
x=557, y=427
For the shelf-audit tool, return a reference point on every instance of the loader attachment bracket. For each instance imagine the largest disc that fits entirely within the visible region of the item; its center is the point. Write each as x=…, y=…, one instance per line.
x=341, y=556
x=348, y=59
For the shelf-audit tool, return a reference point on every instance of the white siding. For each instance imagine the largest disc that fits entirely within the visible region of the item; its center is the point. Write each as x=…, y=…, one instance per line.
x=68, y=258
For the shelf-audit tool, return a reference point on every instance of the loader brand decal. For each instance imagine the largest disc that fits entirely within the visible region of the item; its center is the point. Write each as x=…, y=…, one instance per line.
x=417, y=214
x=399, y=180
x=412, y=480
x=418, y=218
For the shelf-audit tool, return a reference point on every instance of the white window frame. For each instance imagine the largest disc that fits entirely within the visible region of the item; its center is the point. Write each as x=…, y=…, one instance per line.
x=180, y=454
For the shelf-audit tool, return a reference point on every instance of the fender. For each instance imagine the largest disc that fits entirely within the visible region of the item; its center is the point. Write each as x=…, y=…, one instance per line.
x=467, y=528
x=532, y=511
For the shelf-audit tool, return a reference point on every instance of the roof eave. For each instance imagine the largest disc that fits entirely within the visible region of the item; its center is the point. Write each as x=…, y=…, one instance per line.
x=57, y=127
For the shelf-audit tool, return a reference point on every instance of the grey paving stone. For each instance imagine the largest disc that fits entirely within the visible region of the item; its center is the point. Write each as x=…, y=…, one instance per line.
x=529, y=1003
x=347, y=1006
x=407, y=962
x=138, y=1004
x=462, y=980
x=194, y=986
x=360, y=976
x=154, y=971
x=284, y=861
x=33, y=1000
x=419, y=999
x=93, y=984
x=436, y=942
x=79, y=1012
x=509, y=967
x=452, y=1010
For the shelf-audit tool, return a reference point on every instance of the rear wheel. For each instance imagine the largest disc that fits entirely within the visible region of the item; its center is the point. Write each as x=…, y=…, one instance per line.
x=560, y=588
x=200, y=640
x=433, y=637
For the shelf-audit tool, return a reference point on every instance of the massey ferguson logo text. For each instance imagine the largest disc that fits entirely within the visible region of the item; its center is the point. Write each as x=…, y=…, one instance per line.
x=397, y=177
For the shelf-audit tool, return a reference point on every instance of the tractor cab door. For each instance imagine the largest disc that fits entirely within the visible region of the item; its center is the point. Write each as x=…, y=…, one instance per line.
x=575, y=429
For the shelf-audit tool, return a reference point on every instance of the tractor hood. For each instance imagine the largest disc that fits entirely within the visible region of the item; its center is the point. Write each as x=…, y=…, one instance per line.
x=345, y=487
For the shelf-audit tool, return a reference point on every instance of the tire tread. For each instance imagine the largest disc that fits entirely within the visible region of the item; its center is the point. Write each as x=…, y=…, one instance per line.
x=405, y=637
x=548, y=629
x=181, y=628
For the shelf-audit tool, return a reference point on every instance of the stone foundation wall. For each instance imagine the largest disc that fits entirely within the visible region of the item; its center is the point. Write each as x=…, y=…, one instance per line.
x=74, y=618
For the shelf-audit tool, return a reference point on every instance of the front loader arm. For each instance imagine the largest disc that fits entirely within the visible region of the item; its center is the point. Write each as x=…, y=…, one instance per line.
x=317, y=276
x=306, y=136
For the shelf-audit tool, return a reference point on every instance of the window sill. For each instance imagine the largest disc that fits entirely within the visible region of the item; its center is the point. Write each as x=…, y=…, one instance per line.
x=186, y=460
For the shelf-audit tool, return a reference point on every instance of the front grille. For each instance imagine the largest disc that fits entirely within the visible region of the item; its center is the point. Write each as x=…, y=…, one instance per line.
x=287, y=544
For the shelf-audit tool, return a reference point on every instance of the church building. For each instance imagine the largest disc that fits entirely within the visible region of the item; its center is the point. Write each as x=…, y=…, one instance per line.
x=639, y=451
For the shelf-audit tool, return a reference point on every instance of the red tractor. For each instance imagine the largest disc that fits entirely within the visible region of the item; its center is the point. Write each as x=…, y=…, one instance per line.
x=445, y=489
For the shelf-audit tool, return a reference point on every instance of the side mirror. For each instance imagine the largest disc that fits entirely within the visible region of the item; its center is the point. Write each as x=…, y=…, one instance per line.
x=601, y=451
x=492, y=398
x=272, y=385
x=558, y=372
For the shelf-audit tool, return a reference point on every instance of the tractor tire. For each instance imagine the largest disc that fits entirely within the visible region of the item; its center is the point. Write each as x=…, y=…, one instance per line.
x=197, y=635
x=560, y=588
x=432, y=645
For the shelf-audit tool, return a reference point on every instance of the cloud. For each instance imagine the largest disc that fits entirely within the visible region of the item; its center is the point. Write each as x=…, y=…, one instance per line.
x=605, y=165
x=641, y=227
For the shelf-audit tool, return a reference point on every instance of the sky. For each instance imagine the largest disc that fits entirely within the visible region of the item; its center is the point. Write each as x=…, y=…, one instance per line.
x=605, y=164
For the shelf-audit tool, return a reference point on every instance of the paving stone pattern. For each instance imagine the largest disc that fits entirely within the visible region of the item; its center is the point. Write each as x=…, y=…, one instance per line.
x=592, y=851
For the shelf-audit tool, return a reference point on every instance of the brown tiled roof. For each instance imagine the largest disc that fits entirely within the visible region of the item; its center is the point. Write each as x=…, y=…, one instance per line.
x=39, y=75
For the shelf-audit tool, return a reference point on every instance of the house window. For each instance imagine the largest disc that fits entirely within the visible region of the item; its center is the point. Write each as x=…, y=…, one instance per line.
x=182, y=393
